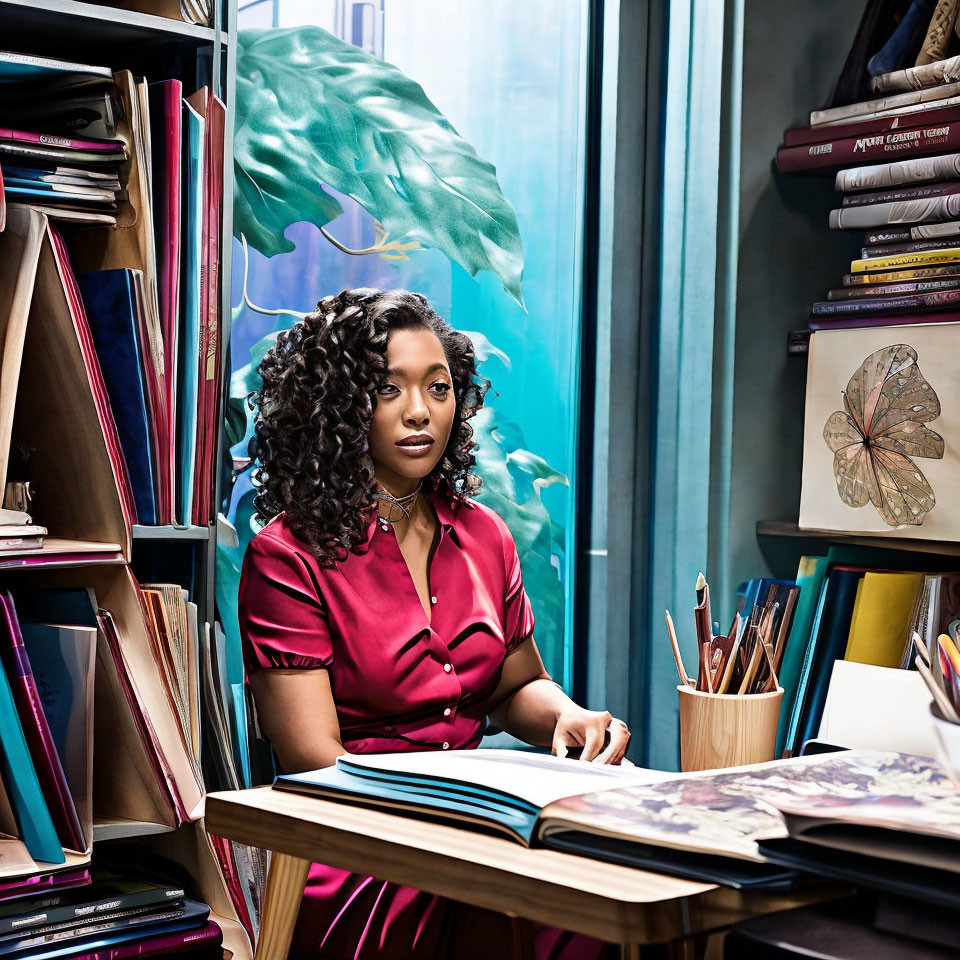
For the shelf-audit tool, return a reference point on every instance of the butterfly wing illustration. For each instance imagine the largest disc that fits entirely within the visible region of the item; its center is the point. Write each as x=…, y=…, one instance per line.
x=887, y=404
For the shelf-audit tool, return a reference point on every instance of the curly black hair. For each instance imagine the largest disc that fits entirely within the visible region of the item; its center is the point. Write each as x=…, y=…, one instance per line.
x=315, y=407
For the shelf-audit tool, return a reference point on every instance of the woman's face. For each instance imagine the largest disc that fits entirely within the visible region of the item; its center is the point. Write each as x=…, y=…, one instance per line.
x=414, y=410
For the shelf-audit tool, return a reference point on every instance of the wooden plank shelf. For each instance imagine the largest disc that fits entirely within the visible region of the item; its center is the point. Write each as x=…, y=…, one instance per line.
x=779, y=528
x=95, y=24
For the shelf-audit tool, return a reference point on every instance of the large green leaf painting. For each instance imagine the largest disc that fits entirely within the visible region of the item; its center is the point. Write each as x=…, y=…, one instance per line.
x=313, y=109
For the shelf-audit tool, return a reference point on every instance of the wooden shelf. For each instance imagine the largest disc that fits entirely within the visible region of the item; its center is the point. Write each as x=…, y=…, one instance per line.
x=95, y=24
x=117, y=829
x=58, y=552
x=779, y=528
x=170, y=533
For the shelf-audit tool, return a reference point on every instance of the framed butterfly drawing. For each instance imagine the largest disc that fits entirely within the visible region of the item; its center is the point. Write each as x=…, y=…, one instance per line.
x=881, y=452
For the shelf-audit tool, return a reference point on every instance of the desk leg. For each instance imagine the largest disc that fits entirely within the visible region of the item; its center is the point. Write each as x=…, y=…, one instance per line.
x=286, y=879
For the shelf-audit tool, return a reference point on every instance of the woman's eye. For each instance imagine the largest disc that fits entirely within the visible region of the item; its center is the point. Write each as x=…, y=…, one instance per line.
x=443, y=388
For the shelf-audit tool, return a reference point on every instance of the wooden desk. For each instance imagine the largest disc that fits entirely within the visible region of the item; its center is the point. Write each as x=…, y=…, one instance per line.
x=632, y=908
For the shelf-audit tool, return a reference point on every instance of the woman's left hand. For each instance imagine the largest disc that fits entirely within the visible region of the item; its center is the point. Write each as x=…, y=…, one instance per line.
x=577, y=727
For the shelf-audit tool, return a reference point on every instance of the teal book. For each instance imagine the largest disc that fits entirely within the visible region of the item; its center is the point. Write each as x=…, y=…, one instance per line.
x=834, y=631
x=806, y=666
x=37, y=830
x=809, y=578
x=189, y=352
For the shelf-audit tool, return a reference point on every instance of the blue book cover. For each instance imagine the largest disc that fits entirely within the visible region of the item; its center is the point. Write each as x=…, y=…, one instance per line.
x=193, y=129
x=805, y=669
x=110, y=302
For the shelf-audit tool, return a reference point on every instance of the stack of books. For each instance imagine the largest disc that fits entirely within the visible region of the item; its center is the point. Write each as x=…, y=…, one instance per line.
x=125, y=177
x=106, y=915
x=899, y=180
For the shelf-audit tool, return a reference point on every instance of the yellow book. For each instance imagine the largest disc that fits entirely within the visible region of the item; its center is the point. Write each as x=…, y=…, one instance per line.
x=920, y=258
x=880, y=626
x=856, y=610
x=913, y=273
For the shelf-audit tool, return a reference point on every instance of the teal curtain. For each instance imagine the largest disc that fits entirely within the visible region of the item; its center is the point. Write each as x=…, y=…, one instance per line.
x=683, y=387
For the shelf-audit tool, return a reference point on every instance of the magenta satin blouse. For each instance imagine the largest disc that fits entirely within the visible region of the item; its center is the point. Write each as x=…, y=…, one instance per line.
x=400, y=682
x=398, y=679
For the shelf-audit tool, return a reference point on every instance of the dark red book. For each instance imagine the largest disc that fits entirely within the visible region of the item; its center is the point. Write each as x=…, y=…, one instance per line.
x=871, y=148
x=891, y=235
x=847, y=323
x=910, y=303
x=166, y=134
x=797, y=136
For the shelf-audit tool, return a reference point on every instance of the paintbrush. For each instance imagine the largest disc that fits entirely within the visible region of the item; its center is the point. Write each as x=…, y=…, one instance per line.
x=671, y=630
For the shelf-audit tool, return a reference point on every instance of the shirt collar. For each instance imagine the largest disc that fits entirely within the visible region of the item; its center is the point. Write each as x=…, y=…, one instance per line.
x=448, y=509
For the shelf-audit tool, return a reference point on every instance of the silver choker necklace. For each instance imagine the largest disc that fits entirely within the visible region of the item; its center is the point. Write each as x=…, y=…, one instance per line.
x=405, y=503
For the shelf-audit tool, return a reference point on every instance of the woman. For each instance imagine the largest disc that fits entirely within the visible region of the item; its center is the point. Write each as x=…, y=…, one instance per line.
x=381, y=608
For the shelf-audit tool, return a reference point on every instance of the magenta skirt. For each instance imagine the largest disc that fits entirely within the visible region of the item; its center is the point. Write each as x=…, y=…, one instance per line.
x=345, y=916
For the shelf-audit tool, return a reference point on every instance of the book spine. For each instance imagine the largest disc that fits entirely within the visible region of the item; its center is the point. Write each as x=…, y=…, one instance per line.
x=798, y=136
x=836, y=153
x=917, y=78
x=893, y=235
x=58, y=912
x=890, y=305
x=893, y=289
x=921, y=258
x=893, y=276
x=798, y=343
x=65, y=143
x=881, y=175
x=893, y=102
x=913, y=246
x=917, y=192
x=159, y=945
x=927, y=231
x=904, y=320
x=901, y=211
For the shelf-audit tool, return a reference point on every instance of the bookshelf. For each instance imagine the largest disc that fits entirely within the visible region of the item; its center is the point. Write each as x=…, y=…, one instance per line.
x=791, y=531
x=91, y=545
x=91, y=23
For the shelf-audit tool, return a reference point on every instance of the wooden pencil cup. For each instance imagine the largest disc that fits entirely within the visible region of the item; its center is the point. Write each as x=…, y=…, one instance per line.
x=727, y=730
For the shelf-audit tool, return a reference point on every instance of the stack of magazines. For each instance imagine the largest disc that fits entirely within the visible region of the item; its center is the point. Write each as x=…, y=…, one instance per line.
x=106, y=915
x=898, y=156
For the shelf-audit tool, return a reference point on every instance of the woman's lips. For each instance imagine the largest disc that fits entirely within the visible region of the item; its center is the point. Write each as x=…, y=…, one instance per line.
x=415, y=449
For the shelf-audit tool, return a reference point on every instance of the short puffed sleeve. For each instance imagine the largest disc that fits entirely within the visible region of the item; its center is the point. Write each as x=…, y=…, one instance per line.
x=283, y=622
x=518, y=614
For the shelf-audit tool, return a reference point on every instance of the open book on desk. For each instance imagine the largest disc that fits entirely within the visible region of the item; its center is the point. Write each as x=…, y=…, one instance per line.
x=703, y=826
